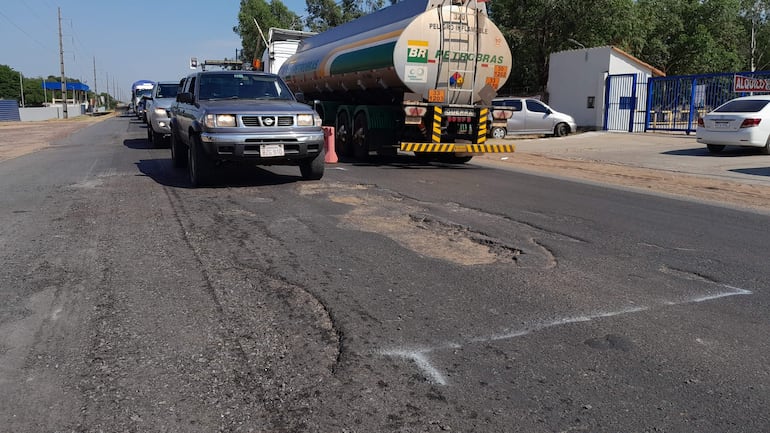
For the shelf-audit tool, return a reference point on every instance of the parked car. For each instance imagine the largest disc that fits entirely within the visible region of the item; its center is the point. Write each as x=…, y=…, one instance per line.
x=743, y=121
x=243, y=116
x=156, y=109
x=529, y=116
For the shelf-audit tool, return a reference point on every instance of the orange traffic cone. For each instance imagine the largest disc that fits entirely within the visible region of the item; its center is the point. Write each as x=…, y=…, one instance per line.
x=331, y=153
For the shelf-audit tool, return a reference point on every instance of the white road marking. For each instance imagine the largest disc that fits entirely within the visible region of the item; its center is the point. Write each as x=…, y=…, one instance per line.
x=433, y=375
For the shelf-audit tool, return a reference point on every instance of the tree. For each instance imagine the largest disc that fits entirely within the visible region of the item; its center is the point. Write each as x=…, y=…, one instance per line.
x=273, y=14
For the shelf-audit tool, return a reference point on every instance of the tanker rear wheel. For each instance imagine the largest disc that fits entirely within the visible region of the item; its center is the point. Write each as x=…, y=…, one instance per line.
x=342, y=135
x=360, y=137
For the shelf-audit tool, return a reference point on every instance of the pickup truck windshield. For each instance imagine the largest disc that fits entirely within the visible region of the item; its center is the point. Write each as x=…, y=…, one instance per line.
x=241, y=86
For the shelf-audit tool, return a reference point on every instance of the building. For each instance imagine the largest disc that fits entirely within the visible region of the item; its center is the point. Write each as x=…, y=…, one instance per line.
x=601, y=87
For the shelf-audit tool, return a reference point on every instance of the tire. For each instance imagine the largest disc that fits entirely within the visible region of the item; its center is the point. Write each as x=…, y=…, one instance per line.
x=157, y=139
x=199, y=166
x=178, y=152
x=766, y=150
x=313, y=168
x=561, y=129
x=342, y=136
x=360, y=139
x=715, y=148
x=149, y=135
x=499, y=132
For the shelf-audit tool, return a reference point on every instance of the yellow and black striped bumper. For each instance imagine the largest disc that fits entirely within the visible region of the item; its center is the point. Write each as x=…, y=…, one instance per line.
x=457, y=148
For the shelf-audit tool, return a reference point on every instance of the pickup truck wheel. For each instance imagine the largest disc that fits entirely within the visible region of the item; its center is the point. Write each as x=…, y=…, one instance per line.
x=149, y=135
x=199, y=166
x=313, y=168
x=360, y=140
x=178, y=152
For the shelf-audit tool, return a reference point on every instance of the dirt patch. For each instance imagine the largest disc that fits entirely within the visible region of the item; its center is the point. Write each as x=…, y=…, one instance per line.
x=21, y=138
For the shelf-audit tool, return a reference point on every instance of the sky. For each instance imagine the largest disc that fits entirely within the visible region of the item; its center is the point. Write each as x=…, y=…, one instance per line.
x=128, y=40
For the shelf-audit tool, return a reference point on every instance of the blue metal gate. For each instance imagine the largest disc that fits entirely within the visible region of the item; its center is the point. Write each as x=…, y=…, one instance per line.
x=676, y=103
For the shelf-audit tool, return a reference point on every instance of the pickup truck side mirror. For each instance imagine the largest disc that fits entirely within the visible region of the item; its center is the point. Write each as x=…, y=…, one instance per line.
x=300, y=97
x=185, y=97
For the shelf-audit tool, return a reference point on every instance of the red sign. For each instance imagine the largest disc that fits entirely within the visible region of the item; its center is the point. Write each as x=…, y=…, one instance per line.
x=749, y=84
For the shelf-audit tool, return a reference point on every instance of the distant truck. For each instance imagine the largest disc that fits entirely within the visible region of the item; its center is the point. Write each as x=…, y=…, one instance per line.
x=281, y=44
x=138, y=89
x=417, y=76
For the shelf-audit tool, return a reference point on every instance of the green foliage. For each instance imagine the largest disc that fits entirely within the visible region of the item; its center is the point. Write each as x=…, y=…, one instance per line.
x=272, y=14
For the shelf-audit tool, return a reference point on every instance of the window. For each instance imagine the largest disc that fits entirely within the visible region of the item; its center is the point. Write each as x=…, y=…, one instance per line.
x=743, y=106
x=536, y=107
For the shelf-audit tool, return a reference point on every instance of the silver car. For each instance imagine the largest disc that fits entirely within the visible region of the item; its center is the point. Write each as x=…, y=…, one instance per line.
x=163, y=95
x=529, y=116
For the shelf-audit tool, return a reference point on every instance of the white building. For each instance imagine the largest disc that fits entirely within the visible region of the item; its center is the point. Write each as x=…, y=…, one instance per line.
x=577, y=85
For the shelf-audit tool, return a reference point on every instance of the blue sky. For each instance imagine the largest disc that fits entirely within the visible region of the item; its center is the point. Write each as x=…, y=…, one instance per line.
x=129, y=39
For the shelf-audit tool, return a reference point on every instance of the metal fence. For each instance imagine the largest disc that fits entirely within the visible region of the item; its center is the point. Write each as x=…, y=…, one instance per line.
x=667, y=103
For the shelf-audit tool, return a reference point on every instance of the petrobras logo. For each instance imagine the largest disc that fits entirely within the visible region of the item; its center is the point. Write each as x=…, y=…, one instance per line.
x=417, y=51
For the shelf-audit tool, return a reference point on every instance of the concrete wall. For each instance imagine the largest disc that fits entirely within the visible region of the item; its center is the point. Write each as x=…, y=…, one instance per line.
x=54, y=112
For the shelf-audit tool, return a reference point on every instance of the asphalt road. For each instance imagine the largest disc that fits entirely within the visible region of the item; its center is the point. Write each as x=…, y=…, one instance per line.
x=390, y=297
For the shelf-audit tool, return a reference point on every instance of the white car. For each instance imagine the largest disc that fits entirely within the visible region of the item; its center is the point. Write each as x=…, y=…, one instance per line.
x=529, y=116
x=741, y=121
x=158, y=126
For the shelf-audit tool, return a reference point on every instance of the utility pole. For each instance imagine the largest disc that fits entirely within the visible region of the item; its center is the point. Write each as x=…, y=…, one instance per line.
x=21, y=85
x=63, y=78
x=96, y=94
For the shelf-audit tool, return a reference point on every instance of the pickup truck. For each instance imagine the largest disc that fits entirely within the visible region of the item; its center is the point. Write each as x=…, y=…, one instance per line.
x=247, y=117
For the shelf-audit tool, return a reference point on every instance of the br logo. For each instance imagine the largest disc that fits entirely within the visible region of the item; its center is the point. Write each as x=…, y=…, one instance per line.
x=417, y=54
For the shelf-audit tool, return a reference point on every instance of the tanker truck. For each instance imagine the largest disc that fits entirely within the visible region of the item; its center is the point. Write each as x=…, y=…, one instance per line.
x=418, y=76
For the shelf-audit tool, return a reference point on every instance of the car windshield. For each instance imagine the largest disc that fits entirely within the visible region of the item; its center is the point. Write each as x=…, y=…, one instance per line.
x=167, y=90
x=242, y=86
x=743, y=106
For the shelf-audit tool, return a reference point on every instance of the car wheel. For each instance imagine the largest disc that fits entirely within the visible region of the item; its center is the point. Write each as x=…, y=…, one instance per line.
x=178, y=152
x=715, y=148
x=561, y=129
x=766, y=149
x=499, y=132
x=313, y=168
x=157, y=139
x=199, y=166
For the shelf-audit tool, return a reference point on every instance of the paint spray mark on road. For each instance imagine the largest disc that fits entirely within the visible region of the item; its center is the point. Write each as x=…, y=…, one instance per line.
x=433, y=375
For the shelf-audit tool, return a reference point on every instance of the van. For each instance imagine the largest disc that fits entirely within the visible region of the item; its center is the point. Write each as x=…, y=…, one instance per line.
x=529, y=116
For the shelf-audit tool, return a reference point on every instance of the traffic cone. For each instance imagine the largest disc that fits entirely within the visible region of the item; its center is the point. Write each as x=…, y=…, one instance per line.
x=331, y=153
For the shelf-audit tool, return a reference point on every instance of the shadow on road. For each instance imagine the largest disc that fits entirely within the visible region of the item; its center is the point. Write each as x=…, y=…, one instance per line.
x=163, y=172
x=757, y=171
x=137, y=143
x=727, y=153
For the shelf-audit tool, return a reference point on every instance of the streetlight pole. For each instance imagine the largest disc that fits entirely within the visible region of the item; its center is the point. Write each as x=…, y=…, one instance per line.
x=63, y=78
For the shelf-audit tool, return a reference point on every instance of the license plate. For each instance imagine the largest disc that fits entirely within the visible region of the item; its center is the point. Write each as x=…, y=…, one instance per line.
x=721, y=125
x=270, y=150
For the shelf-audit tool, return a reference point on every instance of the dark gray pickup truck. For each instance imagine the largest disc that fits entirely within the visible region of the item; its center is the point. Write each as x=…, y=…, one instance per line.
x=242, y=116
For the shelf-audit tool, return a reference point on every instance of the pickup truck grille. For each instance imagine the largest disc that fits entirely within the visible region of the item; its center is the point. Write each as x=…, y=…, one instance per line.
x=267, y=120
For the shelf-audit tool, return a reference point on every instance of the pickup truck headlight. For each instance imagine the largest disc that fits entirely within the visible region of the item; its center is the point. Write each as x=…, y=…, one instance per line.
x=220, y=120
x=308, y=120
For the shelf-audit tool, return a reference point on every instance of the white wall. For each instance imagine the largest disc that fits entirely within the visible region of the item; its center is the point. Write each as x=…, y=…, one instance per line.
x=574, y=76
x=32, y=114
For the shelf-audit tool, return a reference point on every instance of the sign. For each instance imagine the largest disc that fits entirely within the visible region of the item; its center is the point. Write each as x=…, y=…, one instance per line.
x=750, y=84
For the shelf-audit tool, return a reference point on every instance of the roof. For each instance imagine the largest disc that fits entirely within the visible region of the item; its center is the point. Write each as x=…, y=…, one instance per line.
x=70, y=86
x=653, y=70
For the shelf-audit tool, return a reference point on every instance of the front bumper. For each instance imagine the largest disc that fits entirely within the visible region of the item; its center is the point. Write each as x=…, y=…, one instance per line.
x=245, y=146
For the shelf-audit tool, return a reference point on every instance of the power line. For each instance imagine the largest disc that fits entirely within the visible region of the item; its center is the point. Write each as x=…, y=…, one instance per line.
x=24, y=31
